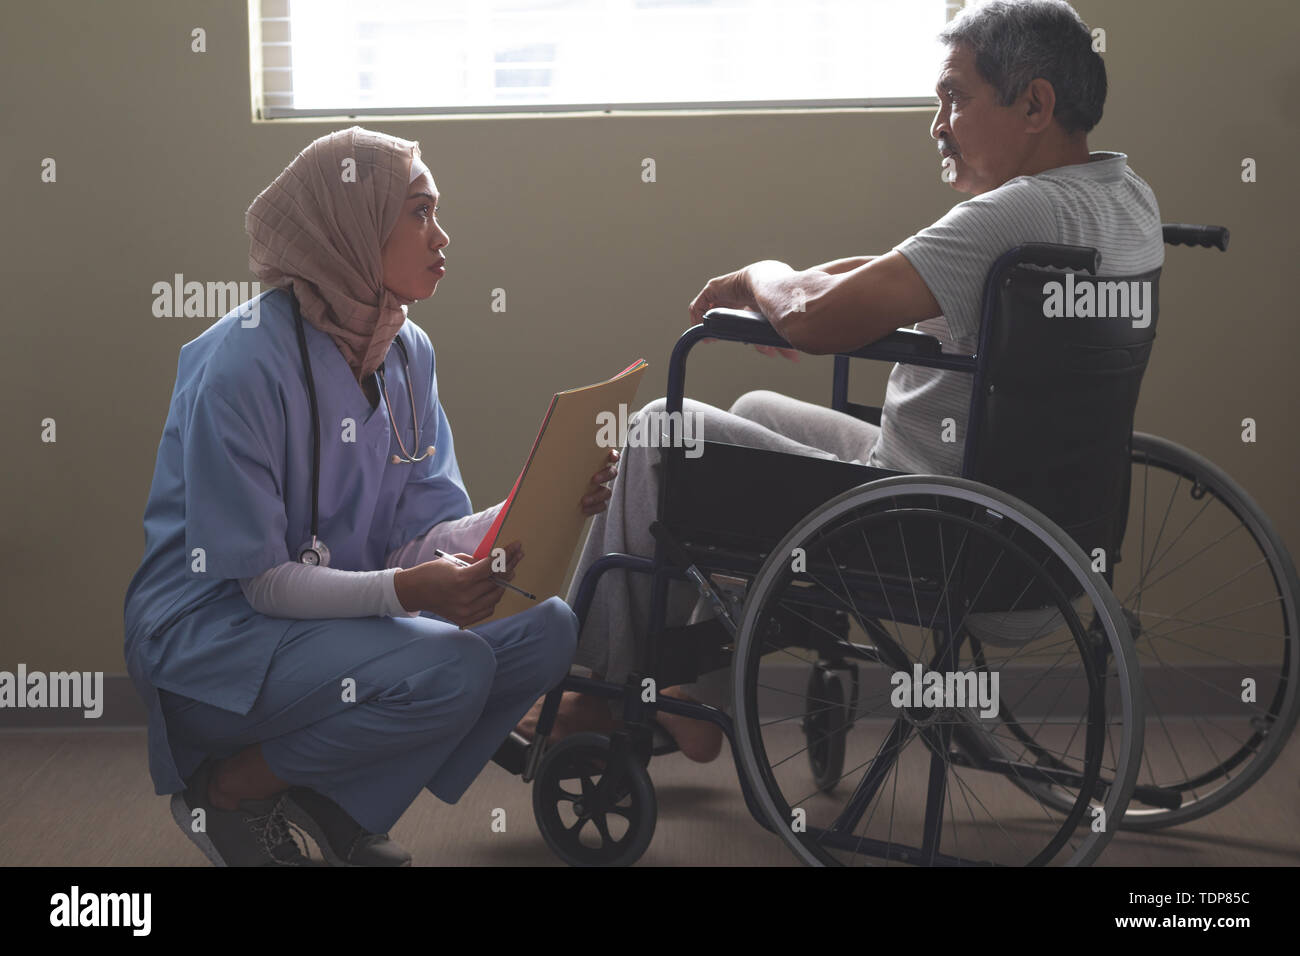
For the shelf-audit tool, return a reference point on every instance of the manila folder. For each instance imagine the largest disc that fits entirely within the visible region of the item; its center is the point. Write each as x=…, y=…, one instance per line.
x=544, y=510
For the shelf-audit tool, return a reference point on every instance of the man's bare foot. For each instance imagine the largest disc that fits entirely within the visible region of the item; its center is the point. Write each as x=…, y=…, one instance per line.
x=699, y=740
x=577, y=713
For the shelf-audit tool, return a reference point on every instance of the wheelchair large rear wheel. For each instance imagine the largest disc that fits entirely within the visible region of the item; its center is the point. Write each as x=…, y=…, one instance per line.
x=1211, y=595
x=943, y=580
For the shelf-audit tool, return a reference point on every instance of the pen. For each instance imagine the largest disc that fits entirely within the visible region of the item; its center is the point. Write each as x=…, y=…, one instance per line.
x=505, y=584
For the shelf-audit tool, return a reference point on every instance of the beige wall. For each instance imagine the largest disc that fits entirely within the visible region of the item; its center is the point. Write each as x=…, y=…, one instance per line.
x=157, y=161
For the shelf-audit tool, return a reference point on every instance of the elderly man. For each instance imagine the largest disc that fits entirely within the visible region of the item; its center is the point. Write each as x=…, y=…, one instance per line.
x=1019, y=91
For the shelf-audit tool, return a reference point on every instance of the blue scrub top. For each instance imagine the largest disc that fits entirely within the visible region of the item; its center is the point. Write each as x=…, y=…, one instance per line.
x=233, y=478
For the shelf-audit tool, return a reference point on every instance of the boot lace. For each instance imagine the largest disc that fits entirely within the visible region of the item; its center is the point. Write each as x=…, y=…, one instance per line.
x=279, y=836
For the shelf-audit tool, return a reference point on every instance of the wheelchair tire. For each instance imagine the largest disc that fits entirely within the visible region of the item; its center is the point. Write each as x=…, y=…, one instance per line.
x=825, y=723
x=1261, y=603
x=957, y=741
x=576, y=823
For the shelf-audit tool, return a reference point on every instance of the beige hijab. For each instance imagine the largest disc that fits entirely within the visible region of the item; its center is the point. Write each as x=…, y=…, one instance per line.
x=319, y=228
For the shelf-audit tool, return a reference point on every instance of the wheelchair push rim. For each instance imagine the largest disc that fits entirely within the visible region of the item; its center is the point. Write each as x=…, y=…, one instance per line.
x=1105, y=652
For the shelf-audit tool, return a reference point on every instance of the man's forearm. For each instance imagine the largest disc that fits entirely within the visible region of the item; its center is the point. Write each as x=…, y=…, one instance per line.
x=837, y=266
x=786, y=297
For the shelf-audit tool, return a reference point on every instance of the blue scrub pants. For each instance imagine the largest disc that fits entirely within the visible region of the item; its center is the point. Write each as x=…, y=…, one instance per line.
x=432, y=704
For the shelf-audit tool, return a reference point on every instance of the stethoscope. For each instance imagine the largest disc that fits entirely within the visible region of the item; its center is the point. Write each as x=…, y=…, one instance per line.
x=315, y=551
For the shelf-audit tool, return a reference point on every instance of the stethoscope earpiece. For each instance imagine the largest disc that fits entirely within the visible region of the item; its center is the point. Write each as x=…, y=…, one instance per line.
x=398, y=459
x=405, y=457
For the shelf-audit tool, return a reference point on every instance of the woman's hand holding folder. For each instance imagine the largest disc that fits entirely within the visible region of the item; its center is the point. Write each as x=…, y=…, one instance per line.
x=597, y=497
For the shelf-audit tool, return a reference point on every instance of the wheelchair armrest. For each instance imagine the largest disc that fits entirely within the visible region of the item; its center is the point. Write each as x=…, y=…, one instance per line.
x=740, y=325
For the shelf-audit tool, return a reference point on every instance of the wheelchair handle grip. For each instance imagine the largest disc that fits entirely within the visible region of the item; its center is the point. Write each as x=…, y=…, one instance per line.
x=1186, y=234
x=1052, y=255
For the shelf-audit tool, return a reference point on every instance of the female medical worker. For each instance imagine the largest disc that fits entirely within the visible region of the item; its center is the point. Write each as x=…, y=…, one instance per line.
x=310, y=674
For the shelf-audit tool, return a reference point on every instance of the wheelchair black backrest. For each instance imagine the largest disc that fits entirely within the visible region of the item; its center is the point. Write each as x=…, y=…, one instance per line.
x=1062, y=355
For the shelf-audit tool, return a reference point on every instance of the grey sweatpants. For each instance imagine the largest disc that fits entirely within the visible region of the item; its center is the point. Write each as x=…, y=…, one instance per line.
x=619, y=617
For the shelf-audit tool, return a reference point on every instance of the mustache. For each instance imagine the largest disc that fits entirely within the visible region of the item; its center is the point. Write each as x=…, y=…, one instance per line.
x=947, y=144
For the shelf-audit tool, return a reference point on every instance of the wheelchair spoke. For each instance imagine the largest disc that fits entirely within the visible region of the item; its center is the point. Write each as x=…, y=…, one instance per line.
x=947, y=579
x=1142, y=549
x=1232, y=695
x=884, y=591
x=602, y=827
x=1242, y=744
x=860, y=651
x=1147, y=569
x=932, y=828
x=1040, y=748
x=1240, y=610
x=875, y=805
x=1190, y=558
x=907, y=562
x=1165, y=729
x=968, y=792
x=1205, y=594
x=897, y=738
x=1245, y=631
x=848, y=593
x=801, y=695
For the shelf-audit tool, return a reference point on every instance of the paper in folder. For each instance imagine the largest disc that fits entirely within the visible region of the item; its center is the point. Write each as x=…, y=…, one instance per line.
x=543, y=510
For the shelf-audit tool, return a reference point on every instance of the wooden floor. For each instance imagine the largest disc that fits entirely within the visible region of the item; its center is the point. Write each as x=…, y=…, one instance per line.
x=85, y=799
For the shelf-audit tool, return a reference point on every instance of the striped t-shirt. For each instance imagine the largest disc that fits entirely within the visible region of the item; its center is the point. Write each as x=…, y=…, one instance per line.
x=1101, y=203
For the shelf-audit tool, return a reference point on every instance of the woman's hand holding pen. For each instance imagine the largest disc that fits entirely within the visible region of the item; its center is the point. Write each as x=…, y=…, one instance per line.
x=462, y=595
x=596, y=497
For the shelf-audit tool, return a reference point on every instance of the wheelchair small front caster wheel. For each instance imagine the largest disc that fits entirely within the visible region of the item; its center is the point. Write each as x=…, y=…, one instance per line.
x=594, y=806
x=824, y=726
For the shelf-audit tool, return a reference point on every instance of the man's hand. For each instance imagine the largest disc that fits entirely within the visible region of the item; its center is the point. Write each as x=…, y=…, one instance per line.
x=463, y=596
x=595, y=499
x=731, y=291
x=735, y=291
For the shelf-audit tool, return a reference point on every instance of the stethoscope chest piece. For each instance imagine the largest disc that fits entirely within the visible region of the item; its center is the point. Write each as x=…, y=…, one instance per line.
x=314, y=552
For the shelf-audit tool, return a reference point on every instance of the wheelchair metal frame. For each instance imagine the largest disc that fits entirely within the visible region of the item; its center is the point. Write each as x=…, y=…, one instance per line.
x=670, y=562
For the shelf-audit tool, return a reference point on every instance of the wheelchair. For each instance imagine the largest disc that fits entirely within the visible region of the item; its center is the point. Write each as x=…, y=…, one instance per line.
x=937, y=670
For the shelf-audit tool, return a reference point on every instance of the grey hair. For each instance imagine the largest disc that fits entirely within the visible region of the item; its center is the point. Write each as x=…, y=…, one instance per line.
x=1016, y=42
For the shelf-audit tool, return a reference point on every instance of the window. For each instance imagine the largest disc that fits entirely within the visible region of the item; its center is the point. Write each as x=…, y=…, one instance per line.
x=339, y=57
